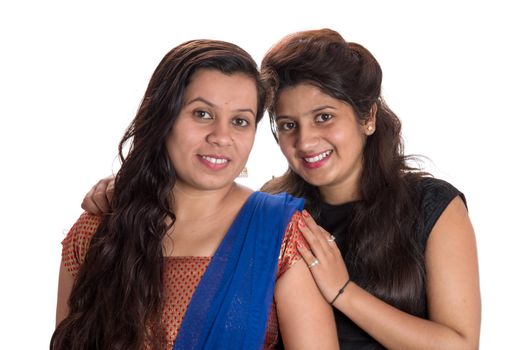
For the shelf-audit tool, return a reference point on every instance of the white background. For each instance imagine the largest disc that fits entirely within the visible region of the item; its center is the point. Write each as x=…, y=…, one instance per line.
x=72, y=75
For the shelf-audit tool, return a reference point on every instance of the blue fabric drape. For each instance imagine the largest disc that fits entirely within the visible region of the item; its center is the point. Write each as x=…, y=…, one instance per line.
x=230, y=307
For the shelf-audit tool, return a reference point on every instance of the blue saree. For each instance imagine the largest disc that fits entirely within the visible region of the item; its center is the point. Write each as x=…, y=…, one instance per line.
x=230, y=307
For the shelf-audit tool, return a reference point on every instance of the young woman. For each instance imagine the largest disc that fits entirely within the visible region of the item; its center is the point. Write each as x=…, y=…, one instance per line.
x=403, y=273
x=188, y=259
x=392, y=249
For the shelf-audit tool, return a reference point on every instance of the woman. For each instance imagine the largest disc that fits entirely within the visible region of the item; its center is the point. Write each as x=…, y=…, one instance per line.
x=187, y=256
x=392, y=249
x=403, y=273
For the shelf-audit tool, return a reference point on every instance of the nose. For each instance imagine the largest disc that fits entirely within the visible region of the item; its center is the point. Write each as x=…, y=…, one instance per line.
x=220, y=134
x=307, y=139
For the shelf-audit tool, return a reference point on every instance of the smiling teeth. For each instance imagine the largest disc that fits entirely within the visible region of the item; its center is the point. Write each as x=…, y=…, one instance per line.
x=318, y=157
x=215, y=160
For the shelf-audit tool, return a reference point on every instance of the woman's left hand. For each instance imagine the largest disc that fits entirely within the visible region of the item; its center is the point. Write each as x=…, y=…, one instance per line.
x=324, y=259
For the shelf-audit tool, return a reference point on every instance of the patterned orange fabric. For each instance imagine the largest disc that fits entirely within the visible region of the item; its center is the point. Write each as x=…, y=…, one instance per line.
x=181, y=274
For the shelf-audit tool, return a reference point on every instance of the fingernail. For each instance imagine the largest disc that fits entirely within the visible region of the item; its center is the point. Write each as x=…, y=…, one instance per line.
x=301, y=223
x=305, y=213
x=300, y=245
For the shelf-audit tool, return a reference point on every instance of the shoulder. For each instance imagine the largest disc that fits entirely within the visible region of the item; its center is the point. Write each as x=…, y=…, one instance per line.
x=434, y=190
x=78, y=239
x=289, y=254
x=85, y=227
x=434, y=196
x=279, y=200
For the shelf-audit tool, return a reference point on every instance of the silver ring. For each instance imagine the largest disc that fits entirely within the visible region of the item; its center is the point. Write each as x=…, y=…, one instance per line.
x=313, y=264
x=331, y=239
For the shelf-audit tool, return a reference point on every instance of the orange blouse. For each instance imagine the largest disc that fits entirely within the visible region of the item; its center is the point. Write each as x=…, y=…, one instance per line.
x=181, y=274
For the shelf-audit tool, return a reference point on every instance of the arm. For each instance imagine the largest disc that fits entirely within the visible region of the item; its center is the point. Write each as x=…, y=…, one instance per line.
x=65, y=284
x=74, y=249
x=452, y=290
x=97, y=200
x=305, y=319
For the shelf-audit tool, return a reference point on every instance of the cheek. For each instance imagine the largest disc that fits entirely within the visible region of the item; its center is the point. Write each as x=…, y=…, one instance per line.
x=285, y=147
x=246, y=144
x=180, y=145
x=347, y=137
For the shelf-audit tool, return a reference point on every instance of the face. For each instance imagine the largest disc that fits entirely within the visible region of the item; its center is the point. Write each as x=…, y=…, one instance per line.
x=210, y=141
x=321, y=138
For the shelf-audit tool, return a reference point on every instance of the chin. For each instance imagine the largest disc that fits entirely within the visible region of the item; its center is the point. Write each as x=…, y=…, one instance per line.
x=215, y=185
x=318, y=181
x=311, y=176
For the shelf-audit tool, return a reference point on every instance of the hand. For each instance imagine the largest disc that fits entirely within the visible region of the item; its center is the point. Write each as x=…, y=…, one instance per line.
x=97, y=200
x=330, y=272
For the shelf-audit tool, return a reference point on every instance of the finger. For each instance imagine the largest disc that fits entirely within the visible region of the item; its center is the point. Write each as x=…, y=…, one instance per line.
x=110, y=190
x=316, y=230
x=103, y=193
x=329, y=237
x=100, y=199
x=311, y=238
x=88, y=204
x=306, y=254
x=319, y=230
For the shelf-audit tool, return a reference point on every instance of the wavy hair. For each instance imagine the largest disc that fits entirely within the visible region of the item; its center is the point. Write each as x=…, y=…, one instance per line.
x=387, y=258
x=116, y=300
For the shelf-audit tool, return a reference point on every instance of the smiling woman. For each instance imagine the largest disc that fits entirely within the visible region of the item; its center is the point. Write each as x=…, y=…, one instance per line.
x=394, y=250
x=188, y=259
x=314, y=129
x=212, y=137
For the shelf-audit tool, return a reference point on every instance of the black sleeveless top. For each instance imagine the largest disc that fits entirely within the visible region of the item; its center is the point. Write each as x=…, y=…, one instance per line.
x=433, y=195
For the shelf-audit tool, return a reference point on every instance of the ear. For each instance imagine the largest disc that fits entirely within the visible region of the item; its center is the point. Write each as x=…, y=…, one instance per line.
x=371, y=121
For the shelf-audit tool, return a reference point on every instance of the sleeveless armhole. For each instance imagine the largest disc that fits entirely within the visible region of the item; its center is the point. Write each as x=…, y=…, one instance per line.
x=436, y=196
x=76, y=243
x=289, y=254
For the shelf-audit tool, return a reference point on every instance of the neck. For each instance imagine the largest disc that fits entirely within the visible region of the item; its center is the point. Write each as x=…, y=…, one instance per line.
x=191, y=205
x=343, y=192
x=335, y=196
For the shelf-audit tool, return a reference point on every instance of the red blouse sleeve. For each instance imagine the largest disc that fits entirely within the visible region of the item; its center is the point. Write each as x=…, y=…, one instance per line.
x=288, y=251
x=76, y=243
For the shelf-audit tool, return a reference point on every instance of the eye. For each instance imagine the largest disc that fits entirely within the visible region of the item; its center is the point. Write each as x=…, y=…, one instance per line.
x=240, y=122
x=286, y=126
x=202, y=114
x=323, y=117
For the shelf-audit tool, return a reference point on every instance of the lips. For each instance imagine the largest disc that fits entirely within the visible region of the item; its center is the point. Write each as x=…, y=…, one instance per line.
x=316, y=160
x=215, y=162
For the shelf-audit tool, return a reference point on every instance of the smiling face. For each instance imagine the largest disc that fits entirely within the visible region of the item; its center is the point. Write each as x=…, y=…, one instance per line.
x=322, y=140
x=210, y=141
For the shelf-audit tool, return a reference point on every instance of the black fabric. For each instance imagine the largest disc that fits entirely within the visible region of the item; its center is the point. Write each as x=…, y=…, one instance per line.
x=433, y=195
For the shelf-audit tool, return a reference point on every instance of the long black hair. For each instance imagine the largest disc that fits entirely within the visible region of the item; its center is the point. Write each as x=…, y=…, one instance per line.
x=116, y=300
x=381, y=251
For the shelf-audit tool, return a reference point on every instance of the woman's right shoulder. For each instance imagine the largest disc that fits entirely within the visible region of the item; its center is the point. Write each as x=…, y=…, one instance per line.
x=78, y=239
x=85, y=225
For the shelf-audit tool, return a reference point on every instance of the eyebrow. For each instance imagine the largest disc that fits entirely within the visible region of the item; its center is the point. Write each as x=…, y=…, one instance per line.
x=201, y=99
x=318, y=109
x=314, y=110
x=211, y=104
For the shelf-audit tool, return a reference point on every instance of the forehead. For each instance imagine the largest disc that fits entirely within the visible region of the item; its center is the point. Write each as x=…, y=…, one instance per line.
x=304, y=98
x=219, y=87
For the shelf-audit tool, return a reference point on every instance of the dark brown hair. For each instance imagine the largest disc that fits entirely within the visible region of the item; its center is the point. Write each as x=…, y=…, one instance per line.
x=387, y=258
x=116, y=300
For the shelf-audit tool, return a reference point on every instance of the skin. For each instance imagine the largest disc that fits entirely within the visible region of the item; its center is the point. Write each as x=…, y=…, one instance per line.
x=311, y=123
x=307, y=128
x=451, y=258
x=219, y=112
